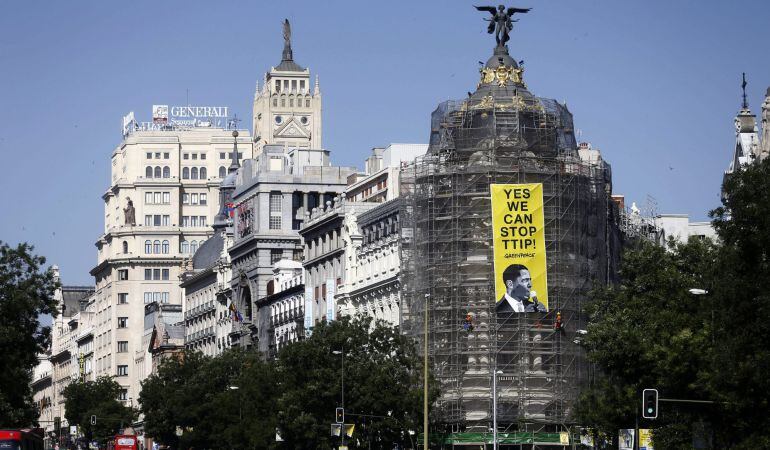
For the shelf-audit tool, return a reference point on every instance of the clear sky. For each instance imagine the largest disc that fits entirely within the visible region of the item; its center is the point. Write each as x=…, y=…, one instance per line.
x=654, y=85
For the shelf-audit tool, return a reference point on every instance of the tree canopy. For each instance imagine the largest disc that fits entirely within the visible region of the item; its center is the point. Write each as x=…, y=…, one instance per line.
x=97, y=398
x=238, y=400
x=26, y=293
x=649, y=331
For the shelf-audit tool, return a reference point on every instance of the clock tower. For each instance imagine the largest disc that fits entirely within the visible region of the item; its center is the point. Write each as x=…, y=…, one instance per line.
x=287, y=110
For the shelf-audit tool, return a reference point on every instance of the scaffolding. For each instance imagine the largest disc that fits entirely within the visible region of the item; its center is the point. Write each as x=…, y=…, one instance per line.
x=502, y=134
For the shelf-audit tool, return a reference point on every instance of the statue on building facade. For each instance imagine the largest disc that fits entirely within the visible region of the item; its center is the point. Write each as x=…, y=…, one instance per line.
x=129, y=213
x=501, y=22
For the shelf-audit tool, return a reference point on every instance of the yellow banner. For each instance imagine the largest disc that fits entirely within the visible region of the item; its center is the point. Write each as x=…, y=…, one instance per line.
x=518, y=229
x=645, y=439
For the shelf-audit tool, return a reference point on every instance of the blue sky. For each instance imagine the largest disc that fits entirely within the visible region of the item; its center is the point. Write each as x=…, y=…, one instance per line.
x=654, y=85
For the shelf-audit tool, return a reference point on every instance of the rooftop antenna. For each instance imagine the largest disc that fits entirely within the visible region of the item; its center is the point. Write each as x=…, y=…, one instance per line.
x=743, y=86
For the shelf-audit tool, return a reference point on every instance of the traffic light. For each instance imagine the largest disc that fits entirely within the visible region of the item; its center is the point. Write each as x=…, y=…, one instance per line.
x=93, y=420
x=340, y=415
x=650, y=403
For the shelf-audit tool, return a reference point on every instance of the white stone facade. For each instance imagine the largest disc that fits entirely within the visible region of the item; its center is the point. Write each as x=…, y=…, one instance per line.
x=172, y=177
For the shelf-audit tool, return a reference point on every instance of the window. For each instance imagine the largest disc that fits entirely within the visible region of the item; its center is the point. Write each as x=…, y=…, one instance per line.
x=275, y=255
x=164, y=247
x=222, y=155
x=147, y=297
x=156, y=247
x=122, y=322
x=203, y=197
x=122, y=370
x=157, y=155
x=157, y=172
x=275, y=101
x=166, y=198
x=156, y=274
x=202, y=221
x=148, y=198
x=156, y=197
x=193, y=246
x=125, y=247
x=276, y=200
x=122, y=346
x=166, y=220
x=307, y=103
x=193, y=199
x=186, y=173
x=147, y=220
x=194, y=156
x=148, y=172
x=148, y=247
x=185, y=247
x=122, y=274
x=291, y=102
x=203, y=173
x=185, y=199
x=203, y=156
x=222, y=172
x=194, y=173
x=165, y=156
x=123, y=395
x=185, y=156
x=122, y=298
x=166, y=172
x=149, y=155
x=302, y=85
x=165, y=273
x=148, y=274
x=156, y=220
x=194, y=221
x=185, y=221
x=240, y=155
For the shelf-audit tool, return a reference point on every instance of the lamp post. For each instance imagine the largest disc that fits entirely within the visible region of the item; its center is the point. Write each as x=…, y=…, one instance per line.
x=425, y=379
x=342, y=383
x=494, y=405
x=699, y=292
x=240, y=408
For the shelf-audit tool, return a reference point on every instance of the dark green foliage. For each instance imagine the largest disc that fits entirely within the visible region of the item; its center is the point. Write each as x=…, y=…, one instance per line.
x=382, y=378
x=26, y=293
x=97, y=398
x=649, y=332
x=297, y=394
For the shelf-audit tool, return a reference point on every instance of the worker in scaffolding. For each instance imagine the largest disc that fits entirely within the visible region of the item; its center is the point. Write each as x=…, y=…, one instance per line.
x=519, y=296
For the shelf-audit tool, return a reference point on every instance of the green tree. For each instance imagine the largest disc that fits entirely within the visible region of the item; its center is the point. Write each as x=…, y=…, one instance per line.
x=26, y=293
x=383, y=395
x=742, y=289
x=222, y=402
x=97, y=398
x=650, y=332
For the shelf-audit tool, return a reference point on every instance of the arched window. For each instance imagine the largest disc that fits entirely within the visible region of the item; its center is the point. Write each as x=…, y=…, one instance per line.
x=148, y=172
x=185, y=247
x=194, y=173
x=125, y=247
x=270, y=287
x=148, y=247
x=275, y=101
x=166, y=172
x=222, y=172
x=164, y=246
x=203, y=173
x=193, y=246
x=157, y=172
x=156, y=247
x=186, y=173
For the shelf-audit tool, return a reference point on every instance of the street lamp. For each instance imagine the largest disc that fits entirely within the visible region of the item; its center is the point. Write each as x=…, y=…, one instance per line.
x=699, y=292
x=240, y=406
x=494, y=406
